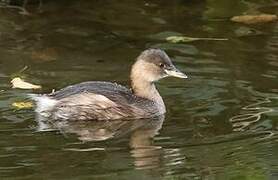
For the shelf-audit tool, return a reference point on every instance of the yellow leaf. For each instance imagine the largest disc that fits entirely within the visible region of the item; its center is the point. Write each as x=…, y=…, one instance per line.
x=254, y=19
x=21, y=84
x=22, y=105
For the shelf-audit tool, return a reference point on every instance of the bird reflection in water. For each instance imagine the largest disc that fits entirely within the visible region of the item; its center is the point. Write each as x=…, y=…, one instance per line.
x=140, y=133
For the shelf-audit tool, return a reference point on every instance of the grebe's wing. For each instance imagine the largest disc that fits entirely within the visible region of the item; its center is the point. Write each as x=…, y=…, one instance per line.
x=97, y=87
x=84, y=106
x=97, y=100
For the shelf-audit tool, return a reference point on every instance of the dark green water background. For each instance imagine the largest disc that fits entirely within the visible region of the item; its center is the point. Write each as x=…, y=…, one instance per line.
x=221, y=123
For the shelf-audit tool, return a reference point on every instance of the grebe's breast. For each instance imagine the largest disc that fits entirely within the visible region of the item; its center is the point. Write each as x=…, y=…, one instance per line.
x=101, y=101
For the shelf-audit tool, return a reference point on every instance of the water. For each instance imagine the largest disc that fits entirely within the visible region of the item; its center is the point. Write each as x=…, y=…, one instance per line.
x=220, y=124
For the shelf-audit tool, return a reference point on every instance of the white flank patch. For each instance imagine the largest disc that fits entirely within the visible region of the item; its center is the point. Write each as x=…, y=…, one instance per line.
x=44, y=103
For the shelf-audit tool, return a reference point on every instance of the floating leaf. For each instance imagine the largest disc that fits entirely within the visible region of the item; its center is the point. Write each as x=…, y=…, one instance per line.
x=178, y=39
x=19, y=83
x=182, y=48
x=22, y=105
x=255, y=19
x=163, y=35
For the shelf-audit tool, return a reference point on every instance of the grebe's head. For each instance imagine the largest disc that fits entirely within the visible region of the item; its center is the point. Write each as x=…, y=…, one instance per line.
x=154, y=64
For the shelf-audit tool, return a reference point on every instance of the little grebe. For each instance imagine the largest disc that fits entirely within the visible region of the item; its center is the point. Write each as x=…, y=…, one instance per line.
x=96, y=100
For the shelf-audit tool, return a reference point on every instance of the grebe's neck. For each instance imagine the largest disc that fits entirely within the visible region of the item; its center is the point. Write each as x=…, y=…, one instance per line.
x=144, y=88
x=148, y=90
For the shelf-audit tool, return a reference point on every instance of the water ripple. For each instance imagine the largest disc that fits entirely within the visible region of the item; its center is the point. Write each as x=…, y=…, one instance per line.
x=251, y=115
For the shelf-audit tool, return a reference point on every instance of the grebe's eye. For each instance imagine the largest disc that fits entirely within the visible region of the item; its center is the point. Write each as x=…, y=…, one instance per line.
x=162, y=65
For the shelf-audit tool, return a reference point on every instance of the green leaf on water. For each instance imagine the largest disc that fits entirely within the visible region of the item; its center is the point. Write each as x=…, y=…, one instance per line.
x=179, y=39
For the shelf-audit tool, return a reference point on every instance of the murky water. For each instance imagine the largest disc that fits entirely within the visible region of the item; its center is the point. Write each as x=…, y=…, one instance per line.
x=221, y=123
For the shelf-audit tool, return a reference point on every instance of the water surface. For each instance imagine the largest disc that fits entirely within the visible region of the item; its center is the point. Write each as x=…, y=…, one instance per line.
x=221, y=123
